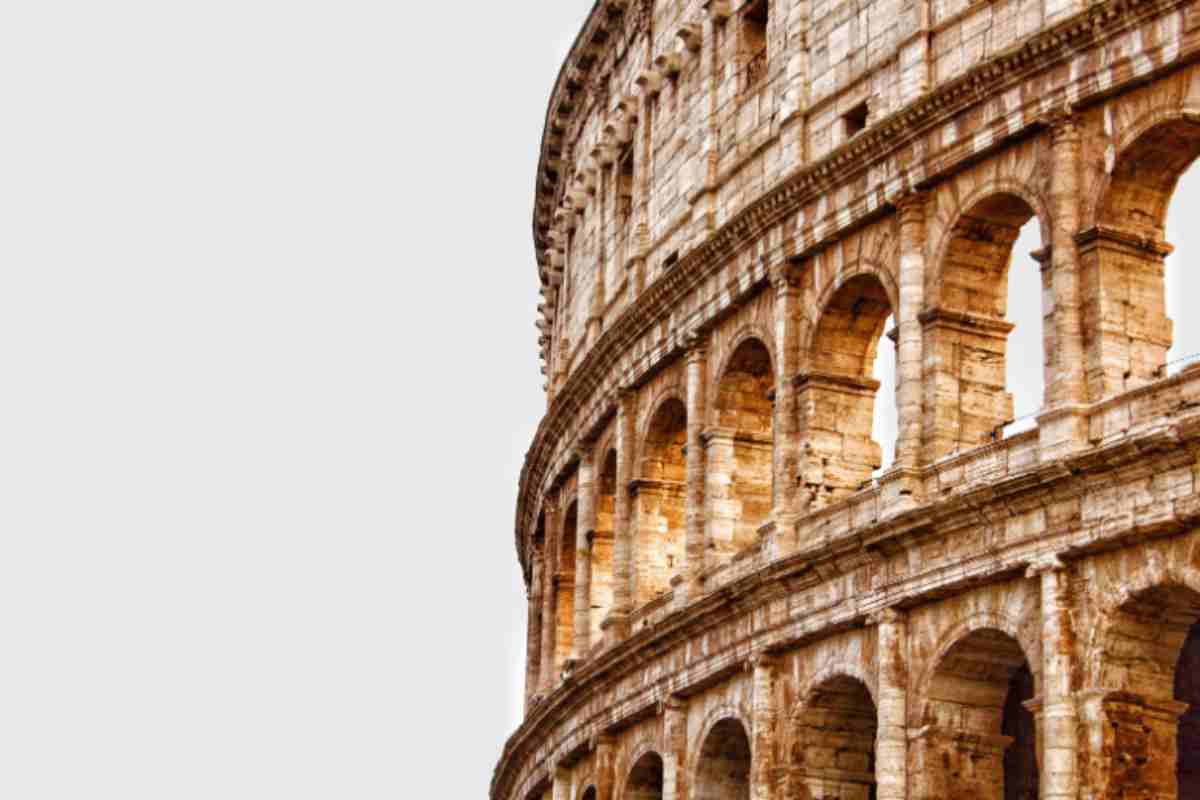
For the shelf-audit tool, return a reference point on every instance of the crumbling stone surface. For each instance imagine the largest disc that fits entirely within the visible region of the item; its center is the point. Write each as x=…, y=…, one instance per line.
x=725, y=599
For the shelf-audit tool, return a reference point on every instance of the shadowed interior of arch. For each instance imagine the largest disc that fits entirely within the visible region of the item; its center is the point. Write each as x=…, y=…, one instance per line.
x=1152, y=649
x=723, y=769
x=979, y=739
x=565, y=598
x=839, y=392
x=588, y=793
x=645, y=781
x=833, y=747
x=659, y=502
x=602, y=545
x=739, y=455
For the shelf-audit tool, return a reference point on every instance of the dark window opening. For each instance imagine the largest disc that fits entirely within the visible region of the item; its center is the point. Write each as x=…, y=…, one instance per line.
x=856, y=120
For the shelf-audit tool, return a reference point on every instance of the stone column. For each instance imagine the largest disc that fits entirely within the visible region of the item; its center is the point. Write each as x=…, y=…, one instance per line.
x=786, y=462
x=623, y=540
x=719, y=503
x=891, y=745
x=549, y=598
x=765, y=724
x=1057, y=716
x=910, y=348
x=605, y=764
x=585, y=530
x=697, y=410
x=1063, y=428
x=674, y=713
x=533, y=638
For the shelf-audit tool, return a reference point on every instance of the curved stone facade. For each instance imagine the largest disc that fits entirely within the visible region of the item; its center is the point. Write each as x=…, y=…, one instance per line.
x=728, y=598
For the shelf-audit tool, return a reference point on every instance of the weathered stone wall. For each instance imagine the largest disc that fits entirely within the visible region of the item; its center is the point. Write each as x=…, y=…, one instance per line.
x=726, y=600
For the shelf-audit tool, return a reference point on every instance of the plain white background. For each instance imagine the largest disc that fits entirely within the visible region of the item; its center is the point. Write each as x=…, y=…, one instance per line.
x=267, y=375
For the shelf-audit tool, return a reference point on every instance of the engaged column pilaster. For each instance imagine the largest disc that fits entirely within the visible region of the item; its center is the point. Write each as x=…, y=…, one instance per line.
x=891, y=746
x=1056, y=713
x=697, y=409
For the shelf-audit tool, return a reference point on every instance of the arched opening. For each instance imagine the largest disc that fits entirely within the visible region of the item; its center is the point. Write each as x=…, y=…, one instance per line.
x=838, y=394
x=1187, y=739
x=967, y=376
x=534, y=633
x=645, y=781
x=1149, y=736
x=602, y=544
x=659, y=502
x=588, y=794
x=723, y=768
x=1123, y=259
x=833, y=746
x=979, y=738
x=1182, y=278
x=885, y=421
x=565, y=589
x=739, y=473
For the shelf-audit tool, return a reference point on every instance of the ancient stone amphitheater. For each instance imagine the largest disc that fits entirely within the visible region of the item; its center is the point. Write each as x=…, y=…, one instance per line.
x=728, y=597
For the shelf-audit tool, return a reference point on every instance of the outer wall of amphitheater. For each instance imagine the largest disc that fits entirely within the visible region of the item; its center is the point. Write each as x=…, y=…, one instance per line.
x=728, y=597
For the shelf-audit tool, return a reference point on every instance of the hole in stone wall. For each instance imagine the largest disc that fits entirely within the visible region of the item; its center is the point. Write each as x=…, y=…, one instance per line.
x=855, y=120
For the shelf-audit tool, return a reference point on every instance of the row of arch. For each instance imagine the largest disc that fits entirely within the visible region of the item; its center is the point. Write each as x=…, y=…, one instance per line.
x=963, y=378
x=976, y=733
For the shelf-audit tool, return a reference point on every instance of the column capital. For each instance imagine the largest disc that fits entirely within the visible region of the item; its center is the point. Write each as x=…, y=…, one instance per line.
x=910, y=204
x=1045, y=563
x=696, y=344
x=788, y=274
x=888, y=616
x=585, y=451
x=718, y=10
x=762, y=660
x=1063, y=125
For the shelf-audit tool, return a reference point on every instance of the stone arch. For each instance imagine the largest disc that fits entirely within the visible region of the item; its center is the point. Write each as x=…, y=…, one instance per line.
x=1123, y=254
x=1027, y=636
x=1017, y=187
x=977, y=737
x=840, y=390
x=739, y=448
x=724, y=710
x=643, y=773
x=659, y=494
x=1145, y=672
x=966, y=320
x=833, y=668
x=589, y=792
x=858, y=268
x=1165, y=164
x=744, y=333
x=831, y=748
x=720, y=767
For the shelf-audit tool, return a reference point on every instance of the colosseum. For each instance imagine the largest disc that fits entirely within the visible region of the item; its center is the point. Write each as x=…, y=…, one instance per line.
x=731, y=594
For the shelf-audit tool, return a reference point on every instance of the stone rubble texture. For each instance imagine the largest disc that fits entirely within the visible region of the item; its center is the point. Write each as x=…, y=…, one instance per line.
x=726, y=598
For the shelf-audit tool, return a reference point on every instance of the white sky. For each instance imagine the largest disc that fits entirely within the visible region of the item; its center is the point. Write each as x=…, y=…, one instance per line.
x=268, y=374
